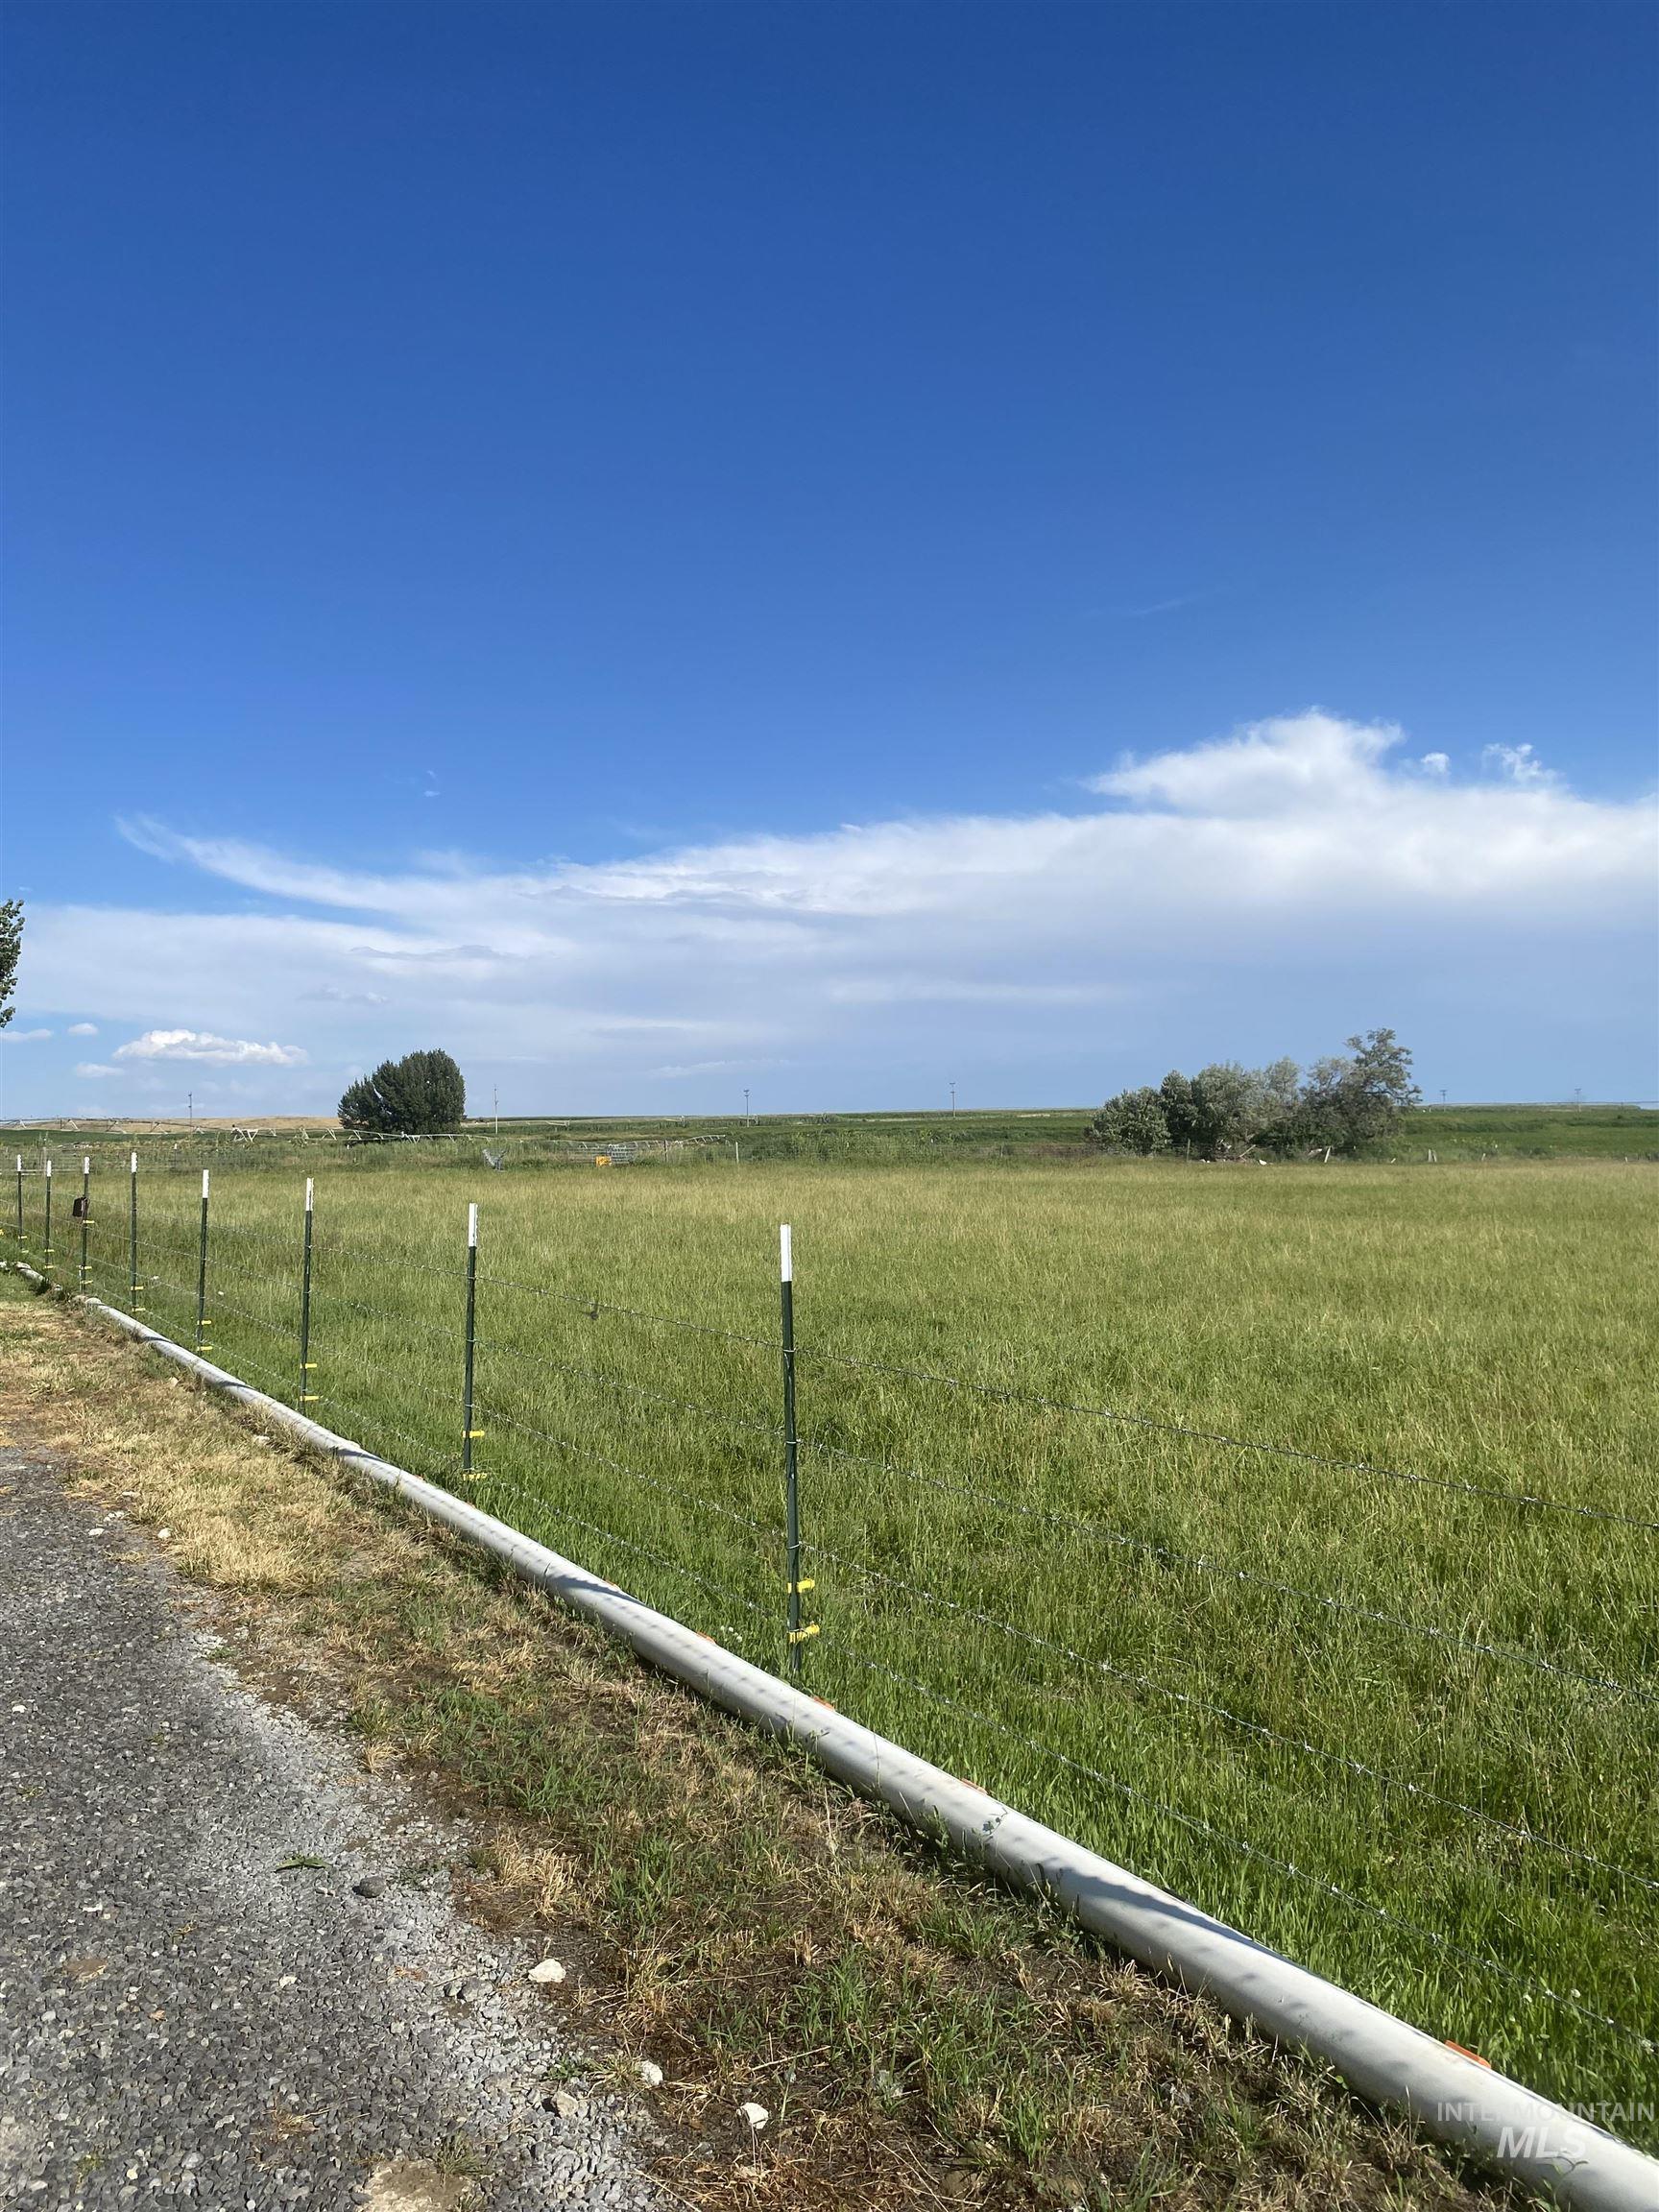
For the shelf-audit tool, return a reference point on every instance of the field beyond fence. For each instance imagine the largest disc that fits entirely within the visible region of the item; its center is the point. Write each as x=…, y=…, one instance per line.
x=1291, y=1538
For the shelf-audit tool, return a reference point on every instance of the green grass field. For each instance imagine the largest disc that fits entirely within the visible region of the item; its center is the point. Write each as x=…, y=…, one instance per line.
x=1372, y=1705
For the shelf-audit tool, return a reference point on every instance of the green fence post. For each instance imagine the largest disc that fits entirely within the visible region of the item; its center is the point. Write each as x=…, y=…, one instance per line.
x=86, y=1213
x=468, y=1431
x=797, y=1635
x=20, y=1201
x=306, y=1393
x=46, y=1256
x=201, y=1273
x=132, y=1234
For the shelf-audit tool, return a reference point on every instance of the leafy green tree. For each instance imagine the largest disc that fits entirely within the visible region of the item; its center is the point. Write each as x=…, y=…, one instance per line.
x=11, y=946
x=1175, y=1096
x=1279, y=1110
x=1358, y=1098
x=1132, y=1122
x=419, y=1096
x=1226, y=1107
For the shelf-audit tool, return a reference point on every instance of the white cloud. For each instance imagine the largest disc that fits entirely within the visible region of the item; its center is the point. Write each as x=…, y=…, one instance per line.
x=1520, y=764
x=81, y=1029
x=216, y=1051
x=1269, y=889
x=92, y=1069
x=11, y=1036
x=1299, y=763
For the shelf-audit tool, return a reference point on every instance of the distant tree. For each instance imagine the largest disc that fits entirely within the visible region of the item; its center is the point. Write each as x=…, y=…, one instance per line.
x=1282, y=1089
x=1175, y=1097
x=419, y=1096
x=1227, y=1102
x=1358, y=1097
x=11, y=946
x=1278, y=1114
x=1132, y=1122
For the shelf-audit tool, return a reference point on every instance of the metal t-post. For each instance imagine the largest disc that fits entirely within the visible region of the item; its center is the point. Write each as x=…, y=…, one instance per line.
x=86, y=1213
x=46, y=1256
x=202, y=1273
x=132, y=1232
x=306, y=1393
x=468, y=1431
x=798, y=1634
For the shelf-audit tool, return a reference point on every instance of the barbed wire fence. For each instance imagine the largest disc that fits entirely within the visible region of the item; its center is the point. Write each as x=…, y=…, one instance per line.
x=1103, y=1671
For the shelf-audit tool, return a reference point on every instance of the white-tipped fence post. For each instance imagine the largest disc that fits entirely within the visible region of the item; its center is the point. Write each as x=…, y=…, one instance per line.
x=20, y=1201
x=132, y=1231
x=86, y=1213
x=201, y=1273
x=468, y=1431
x=306, y=1393
x=798, y=1634
x=46, y=1261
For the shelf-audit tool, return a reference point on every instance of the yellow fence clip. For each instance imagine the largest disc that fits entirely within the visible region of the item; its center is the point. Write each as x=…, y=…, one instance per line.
x=809, y=1584
x=801, y=1635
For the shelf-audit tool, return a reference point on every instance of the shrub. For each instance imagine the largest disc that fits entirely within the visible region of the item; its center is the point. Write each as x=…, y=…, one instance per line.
x=1132, y=1122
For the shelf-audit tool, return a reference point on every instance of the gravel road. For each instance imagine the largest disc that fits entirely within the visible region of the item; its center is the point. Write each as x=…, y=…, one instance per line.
x=182, y=2018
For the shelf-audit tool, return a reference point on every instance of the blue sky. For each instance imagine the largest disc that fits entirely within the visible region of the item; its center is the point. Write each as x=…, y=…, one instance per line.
x=826, y=548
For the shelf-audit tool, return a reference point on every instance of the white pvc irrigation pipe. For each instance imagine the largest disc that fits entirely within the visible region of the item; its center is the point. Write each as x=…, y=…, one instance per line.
x=1450, y=2096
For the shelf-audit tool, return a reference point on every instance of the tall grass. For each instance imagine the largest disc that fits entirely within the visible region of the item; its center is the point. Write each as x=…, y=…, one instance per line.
x=1372, y=1706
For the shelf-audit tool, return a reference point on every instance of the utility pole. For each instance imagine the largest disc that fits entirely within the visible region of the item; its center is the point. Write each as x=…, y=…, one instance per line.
x=496, y=1108
x=745, y=1103
x=953, y=1097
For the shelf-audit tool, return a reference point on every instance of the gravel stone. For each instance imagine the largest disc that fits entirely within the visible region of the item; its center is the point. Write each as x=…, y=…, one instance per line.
x=181, y=2023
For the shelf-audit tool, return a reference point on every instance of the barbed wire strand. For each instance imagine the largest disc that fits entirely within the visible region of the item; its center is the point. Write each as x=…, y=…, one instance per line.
x=559, y=1512
x=1016, y=1394
x=676, y=1490
x=1430, y=1630
x=1188, y=1698
x=1195, y=1821
x=594, y=1306
x=772, y=1431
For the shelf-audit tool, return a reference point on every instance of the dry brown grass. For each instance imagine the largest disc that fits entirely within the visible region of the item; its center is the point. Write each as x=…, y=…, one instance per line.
x=921, y=2039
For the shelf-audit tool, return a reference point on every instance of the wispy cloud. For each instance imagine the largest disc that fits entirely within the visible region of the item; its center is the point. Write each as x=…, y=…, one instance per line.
x=1306, y=861
x=1157, y=607
x=81, y=1029
x=11, y=1036
x=1520, y=764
